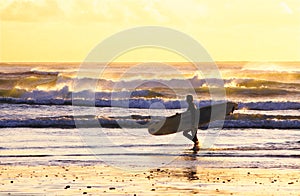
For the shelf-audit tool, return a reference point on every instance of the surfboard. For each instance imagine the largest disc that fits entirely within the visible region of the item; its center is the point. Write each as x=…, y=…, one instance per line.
x=181, y=122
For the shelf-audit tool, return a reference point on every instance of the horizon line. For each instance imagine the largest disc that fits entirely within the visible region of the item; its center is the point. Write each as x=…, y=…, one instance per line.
x=225, y=61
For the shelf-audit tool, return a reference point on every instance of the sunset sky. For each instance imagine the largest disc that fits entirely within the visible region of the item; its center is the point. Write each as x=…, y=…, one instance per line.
x=230, y=30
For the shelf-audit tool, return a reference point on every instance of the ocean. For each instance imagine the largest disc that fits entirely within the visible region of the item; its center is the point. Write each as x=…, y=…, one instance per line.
x=51, y=116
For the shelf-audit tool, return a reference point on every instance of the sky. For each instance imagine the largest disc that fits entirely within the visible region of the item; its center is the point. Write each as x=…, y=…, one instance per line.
x=230, y=30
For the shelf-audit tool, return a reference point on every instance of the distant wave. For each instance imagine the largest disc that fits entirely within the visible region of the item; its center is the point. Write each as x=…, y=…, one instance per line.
x=264, y=124
x=270, y=105
x=69, y=122
x=259, y=121
x=55, y=80
x=137, y=121
x=155, y=103
x=28, y=73
x=162, y=92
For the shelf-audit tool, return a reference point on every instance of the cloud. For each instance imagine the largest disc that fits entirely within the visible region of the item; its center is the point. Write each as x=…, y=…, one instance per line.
x=191, y=13
x=286, y=8
x=31, y=11
x=110, y=11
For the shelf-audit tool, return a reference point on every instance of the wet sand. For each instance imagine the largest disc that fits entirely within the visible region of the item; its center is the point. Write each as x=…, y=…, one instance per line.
x=101, y=180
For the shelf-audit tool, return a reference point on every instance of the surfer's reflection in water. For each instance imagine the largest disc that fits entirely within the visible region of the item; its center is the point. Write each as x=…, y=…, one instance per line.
x=194, y=126
x=191, y=171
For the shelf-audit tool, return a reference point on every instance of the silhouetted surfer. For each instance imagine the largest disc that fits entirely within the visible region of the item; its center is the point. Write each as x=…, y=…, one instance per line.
x=193, y=109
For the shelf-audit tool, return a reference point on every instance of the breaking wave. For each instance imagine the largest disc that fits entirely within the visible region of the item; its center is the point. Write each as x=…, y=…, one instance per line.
x=37, y=80
x=137, y=99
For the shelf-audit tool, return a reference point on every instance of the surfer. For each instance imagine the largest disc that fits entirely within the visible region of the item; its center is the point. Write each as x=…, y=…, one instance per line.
x=192, y=108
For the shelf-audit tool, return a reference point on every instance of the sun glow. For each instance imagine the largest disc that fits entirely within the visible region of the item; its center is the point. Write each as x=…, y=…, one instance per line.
x=60, y=31
x=276, y=67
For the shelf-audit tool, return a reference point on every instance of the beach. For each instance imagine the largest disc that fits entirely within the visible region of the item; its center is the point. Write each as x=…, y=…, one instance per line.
x=106, y=180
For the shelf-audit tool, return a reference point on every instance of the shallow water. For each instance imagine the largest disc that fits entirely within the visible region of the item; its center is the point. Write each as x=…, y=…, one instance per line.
x=257, y=148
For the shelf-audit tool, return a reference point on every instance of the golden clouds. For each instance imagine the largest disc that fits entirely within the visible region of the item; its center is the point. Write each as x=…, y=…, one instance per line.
x=31, y=11
x=66, y=30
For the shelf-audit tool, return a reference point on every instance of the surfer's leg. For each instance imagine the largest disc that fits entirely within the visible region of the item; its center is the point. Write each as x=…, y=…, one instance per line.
x=192, y=136
x=195, y=138
x=187, y=135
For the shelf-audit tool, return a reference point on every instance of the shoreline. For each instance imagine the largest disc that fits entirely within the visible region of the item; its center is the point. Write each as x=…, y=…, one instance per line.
x=101, y=179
